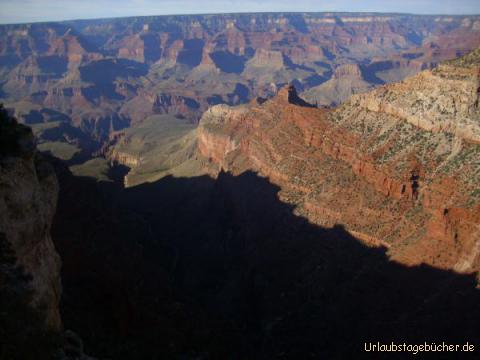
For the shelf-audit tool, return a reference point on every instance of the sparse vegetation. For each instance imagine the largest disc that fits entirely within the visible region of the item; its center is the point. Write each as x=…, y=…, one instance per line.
x=468, y=60
x=97, y=168
x=61, y=150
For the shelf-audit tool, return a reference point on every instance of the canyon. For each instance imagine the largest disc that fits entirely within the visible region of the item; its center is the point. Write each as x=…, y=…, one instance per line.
x=243, y=186
x=377, y=155
x=282, y=225
x=103, y=76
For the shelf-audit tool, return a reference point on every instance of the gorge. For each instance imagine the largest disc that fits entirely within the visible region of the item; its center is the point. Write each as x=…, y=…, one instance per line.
x=245, y=186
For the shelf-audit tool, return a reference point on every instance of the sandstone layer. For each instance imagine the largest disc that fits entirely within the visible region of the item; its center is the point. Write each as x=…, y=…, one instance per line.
x=397, y=166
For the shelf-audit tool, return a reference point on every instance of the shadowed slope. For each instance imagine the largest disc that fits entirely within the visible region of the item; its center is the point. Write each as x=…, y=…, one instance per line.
x=223, y=269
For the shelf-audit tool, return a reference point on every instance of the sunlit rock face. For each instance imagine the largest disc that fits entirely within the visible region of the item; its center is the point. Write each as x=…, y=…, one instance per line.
x=398, y=165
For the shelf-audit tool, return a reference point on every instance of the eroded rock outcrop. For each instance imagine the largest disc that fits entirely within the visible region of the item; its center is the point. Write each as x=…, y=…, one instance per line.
x=31, y=326
x=411, y=186
x=28, y=197
x=267, y=58
x=347, y=80
x=442, y=100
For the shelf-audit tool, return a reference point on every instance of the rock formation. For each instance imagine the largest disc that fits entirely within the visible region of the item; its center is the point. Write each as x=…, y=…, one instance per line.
x=267, y=59
x=346, y=81
x=268, y=264
x=398, y=166
x=28, y=198
x=287, y=244
x=31, y=326
x=89, y=70
x=442, y=100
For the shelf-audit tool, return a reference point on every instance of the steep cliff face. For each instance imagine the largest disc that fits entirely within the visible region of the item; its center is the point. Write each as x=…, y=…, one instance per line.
x=396, y=171
x=28, y=197
x=213, y=143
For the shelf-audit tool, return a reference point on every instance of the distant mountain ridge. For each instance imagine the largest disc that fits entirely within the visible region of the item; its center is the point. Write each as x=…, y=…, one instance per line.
x=82, y=84
x=51, y=64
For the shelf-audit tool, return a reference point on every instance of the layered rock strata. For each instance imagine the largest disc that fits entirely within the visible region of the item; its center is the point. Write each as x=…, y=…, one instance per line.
x=397, y=166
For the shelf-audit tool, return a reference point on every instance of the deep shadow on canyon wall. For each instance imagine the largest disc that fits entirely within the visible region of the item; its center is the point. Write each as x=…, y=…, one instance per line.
x=221, y=269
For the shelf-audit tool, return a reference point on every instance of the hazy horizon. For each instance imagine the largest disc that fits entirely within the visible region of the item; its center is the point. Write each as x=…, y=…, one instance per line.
x=29, y=11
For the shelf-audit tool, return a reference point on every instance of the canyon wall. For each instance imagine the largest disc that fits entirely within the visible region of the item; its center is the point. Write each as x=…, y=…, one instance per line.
x=28, y=198
x=398, y=174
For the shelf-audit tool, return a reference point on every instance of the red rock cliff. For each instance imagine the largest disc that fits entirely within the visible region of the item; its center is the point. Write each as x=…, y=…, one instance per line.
x=390, y=180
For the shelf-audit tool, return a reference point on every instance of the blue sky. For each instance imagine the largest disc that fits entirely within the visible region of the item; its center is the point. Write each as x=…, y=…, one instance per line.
x=12, y=11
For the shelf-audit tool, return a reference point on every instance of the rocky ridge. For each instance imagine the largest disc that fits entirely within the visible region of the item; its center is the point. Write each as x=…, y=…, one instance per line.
x=397, y=166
